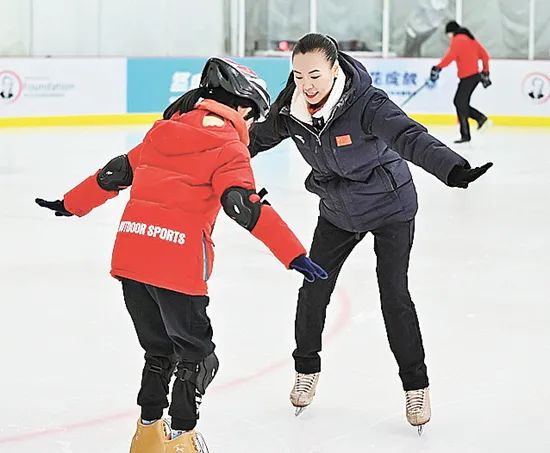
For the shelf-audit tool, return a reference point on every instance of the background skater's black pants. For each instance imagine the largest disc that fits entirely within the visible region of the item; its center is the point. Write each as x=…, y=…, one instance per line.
x=330, y=248
x=172, y=328
x=461, y=101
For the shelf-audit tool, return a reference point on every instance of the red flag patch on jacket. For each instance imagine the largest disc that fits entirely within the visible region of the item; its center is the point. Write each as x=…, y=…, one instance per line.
x=343, y=140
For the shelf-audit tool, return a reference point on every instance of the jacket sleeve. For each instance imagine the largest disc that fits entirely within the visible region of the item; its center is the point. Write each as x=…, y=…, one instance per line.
x=268, y=133
x=484, y=56
x=234, y=170
x=87, y=195
x=385, y=120
x=449, y=57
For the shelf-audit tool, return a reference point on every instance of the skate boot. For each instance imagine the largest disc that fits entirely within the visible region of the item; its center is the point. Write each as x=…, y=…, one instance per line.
x=150, y=438
x=484, y=124
x=303, y=391
x=187, y=442
x=417, y=406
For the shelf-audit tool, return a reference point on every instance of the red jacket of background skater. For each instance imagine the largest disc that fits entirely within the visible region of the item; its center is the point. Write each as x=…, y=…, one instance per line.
x=466, y=52
x=180, y=170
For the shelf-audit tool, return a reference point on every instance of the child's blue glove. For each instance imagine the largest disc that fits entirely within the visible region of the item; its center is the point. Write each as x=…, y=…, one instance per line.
x=308, y=268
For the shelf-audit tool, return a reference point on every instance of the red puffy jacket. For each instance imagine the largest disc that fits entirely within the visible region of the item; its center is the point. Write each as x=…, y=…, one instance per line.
x=466, y=52
x=180, y=171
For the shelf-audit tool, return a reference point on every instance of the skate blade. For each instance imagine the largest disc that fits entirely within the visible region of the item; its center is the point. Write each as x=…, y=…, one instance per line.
x=299, y=410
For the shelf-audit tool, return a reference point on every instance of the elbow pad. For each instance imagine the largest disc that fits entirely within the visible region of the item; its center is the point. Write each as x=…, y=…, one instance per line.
x=243, y=205
x=116, y=175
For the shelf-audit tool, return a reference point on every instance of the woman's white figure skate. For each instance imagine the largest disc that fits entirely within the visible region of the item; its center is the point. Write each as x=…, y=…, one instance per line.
x=418, y=409
x=303, y=391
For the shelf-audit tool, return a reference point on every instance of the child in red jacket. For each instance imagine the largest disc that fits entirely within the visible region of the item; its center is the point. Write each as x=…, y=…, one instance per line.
x=467, y=52
x=189, y=165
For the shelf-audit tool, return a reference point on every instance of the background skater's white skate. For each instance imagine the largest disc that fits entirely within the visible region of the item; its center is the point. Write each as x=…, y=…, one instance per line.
x=417, y=407
x=303, y=391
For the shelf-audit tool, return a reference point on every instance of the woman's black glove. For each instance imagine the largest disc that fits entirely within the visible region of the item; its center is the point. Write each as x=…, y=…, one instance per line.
x=462, y=176
x=485, y=80
x=434, y=73
x=58, y=206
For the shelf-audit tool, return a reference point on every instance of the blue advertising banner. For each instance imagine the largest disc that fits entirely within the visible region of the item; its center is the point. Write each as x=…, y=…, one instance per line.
x=153, y=83
x=401, y=77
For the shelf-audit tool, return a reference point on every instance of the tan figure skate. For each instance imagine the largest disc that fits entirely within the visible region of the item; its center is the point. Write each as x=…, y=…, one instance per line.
x=150, y=438
x=418, y=409
x=303, y=391
x=187, y=442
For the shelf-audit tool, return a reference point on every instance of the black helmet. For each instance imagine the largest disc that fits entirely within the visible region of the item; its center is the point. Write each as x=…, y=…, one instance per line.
x=237, y=80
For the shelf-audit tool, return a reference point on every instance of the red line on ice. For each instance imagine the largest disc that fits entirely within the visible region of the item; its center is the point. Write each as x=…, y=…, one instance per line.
x=344, y=316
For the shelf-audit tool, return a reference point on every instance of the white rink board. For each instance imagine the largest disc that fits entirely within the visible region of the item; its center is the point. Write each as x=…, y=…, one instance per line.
x=62, y=86
x=31, y=87
x=513, y=81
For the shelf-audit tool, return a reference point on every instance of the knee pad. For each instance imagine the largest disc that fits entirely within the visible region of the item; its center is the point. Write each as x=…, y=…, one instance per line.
x=199, y=374
x=116, y=175
x=243, y=205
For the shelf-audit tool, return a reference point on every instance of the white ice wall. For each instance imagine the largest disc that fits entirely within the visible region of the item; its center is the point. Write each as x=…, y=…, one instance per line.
x=15, y=23
x=65, y=27
x=111, y=28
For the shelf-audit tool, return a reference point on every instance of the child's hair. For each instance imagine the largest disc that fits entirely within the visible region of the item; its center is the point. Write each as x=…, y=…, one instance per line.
x=187, y=101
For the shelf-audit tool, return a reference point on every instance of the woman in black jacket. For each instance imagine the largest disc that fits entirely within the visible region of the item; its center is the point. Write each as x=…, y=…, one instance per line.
x=356, y=141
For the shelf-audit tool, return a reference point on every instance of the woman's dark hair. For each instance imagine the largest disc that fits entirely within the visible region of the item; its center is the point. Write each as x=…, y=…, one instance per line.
x=317, y=42
x=454, y=28
x=464, y=31
x=187, y=101
x=312, y=42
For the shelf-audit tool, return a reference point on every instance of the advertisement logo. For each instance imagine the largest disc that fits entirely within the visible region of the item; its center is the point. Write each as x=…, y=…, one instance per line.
x=11, y=87
x=397, y=83
x=536, y=87
x=182, y=82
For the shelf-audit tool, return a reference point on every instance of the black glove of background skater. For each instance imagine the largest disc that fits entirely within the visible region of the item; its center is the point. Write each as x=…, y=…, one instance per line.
x=485, y=80
x=434, y=73
x=58, y=206
x=462, y=176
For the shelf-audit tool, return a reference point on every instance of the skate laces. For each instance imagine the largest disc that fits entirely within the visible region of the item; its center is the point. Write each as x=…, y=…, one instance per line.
x=415, y=400
x=199, y=443
x=305, y=382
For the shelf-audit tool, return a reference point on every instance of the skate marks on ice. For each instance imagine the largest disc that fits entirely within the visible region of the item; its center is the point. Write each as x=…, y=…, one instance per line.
x=502, y=344
x=342, y=320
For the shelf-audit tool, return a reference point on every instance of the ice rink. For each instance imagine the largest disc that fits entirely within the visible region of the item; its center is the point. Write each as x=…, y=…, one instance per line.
x=479, y=277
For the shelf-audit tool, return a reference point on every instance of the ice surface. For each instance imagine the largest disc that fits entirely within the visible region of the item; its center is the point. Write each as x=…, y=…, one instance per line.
x=479, y=277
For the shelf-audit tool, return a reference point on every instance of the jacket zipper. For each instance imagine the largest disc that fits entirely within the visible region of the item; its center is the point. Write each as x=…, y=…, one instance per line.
x=205, y=263
x=390, y=178
x=318, y=138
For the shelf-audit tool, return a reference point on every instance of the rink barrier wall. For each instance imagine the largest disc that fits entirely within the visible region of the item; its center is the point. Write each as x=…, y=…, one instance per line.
x=82, y=120
x=120, y=91
x=520, y=93
x=149, y=118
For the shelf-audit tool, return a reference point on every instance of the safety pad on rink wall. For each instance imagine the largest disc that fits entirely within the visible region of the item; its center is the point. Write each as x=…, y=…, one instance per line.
x=153, y=83
x=519, y=89
x=55, y=87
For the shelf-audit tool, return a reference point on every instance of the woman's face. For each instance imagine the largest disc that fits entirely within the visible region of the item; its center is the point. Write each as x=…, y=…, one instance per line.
x=313, y=75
